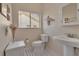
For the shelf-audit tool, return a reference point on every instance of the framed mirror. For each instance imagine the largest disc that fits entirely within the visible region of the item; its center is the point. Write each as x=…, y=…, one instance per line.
x=69, y=13
x=0, y=7
x=5, y=10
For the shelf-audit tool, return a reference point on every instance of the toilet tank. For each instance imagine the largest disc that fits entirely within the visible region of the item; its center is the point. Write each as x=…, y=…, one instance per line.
x=44, y=37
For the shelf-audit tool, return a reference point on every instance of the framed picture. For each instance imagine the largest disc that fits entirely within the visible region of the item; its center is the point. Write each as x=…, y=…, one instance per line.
x=0, y=7
x=5, y=10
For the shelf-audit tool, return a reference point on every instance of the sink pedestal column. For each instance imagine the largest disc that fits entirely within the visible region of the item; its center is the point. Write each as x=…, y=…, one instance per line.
x=68, y=50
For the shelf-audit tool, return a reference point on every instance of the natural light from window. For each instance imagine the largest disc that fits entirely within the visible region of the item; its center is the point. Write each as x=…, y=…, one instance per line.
x=28, y=20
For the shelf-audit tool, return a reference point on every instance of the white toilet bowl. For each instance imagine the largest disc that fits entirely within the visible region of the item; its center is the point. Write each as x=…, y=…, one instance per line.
x=39, y=45
x=44, y=37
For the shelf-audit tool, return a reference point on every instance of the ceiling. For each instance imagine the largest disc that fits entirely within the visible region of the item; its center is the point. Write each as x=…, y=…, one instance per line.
x=44, y=4
x=55, y=4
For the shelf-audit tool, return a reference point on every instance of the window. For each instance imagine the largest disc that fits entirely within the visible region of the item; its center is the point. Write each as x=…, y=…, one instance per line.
x=28, y=20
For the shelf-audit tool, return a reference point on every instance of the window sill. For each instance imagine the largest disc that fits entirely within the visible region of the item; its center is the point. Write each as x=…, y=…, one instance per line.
x=28, y=28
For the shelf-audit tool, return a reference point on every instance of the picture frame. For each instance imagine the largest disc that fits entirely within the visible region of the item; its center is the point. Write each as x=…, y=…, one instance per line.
x=5, y=10
x=0, y=7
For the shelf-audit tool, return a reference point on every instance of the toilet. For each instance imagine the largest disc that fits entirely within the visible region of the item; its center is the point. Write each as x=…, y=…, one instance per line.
x=39, y=45
x=44, y=38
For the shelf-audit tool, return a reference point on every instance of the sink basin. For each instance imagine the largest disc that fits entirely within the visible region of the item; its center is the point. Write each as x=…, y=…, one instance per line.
x=74, y=42
x=68, y=44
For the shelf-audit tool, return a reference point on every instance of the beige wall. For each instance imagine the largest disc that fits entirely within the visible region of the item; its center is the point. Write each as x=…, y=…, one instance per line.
x=22, y=34
x=23, y=6
x=31, y=34
x=33, y=7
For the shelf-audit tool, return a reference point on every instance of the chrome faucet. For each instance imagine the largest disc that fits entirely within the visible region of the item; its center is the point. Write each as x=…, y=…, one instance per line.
x=71, y=35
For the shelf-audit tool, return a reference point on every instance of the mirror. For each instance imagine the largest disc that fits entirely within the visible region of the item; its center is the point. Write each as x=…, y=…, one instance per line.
x=69, y=13
x=4, y=9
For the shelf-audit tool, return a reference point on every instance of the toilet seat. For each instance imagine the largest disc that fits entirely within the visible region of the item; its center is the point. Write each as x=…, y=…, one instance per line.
x=37, y=43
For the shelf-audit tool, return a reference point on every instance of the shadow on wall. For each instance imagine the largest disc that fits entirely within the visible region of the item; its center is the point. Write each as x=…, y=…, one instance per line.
x=54, y=30
x=31, y=34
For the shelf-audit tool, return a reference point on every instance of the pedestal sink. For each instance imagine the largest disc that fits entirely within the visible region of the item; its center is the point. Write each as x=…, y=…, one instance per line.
x=68, y=43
